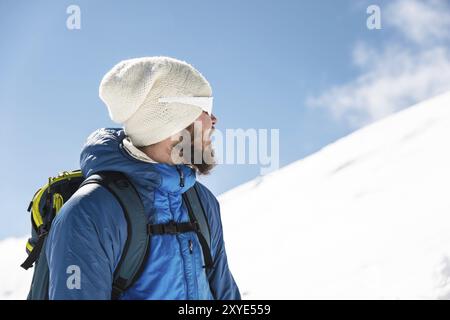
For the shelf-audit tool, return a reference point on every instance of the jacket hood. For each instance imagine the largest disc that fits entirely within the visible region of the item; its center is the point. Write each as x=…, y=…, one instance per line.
x=104, y=151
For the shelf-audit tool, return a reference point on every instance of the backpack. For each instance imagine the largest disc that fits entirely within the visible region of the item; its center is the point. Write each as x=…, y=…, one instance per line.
x=48, y=200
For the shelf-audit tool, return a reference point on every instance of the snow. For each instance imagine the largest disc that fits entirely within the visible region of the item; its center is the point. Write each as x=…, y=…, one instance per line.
x=367, y=217
x=14, y=281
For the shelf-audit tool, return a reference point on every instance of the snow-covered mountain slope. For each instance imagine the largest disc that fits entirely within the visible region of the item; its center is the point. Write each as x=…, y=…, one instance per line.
x=366, y=217
x=14, y=281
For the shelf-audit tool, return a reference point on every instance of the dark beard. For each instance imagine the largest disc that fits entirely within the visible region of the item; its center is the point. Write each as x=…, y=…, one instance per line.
x=204, y=168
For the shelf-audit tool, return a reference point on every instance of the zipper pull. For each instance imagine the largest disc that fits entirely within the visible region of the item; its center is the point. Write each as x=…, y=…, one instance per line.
x=180, y=171
x=191, y=246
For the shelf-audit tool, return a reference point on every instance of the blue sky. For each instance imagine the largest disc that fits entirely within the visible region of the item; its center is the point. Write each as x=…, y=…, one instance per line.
x=271, y=64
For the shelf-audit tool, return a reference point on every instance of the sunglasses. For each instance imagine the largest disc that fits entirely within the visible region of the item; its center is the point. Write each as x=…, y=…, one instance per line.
x=206, y=103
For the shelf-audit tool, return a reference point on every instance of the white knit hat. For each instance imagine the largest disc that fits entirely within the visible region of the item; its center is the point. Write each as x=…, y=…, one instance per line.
x=154, y=97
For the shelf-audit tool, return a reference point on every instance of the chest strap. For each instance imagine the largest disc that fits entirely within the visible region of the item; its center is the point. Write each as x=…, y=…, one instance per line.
x=172, y=228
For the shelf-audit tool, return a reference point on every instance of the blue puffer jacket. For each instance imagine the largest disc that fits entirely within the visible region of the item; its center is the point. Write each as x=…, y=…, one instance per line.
x=90, y=232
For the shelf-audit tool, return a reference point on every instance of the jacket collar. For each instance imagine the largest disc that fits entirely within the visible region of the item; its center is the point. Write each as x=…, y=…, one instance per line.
x=105, y=151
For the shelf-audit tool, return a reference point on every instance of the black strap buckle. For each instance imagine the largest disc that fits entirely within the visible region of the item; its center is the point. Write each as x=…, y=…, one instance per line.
x=173, y=228
x=170, y=228
x=42, y=231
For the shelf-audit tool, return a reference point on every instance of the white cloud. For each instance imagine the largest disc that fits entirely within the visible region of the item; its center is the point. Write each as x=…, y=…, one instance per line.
x=420, y=21
x=396, y=75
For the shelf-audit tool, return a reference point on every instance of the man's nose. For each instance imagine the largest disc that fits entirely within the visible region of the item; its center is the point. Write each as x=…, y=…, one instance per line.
x=213, y=119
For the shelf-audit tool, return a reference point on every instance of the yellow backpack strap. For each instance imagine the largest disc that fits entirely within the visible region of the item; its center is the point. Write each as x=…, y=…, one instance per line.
x=58, y=202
